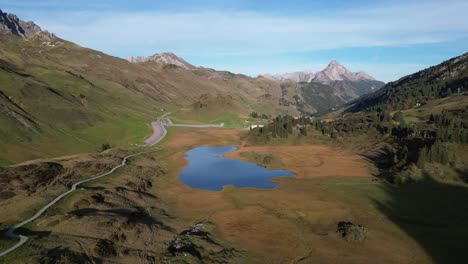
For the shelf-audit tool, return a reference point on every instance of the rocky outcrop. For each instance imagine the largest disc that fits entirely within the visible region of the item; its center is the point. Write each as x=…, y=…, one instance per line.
x=351, y=232
x=198, y=242
x=11, y=24
x=164, y=58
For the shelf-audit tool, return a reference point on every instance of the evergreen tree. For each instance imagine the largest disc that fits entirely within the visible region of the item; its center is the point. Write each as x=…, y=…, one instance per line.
x=422, y=159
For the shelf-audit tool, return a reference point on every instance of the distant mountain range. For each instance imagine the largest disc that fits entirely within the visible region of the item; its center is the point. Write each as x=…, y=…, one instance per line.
x=299, y=76
x=333, y=72
x=348, y=85
x=345, y=84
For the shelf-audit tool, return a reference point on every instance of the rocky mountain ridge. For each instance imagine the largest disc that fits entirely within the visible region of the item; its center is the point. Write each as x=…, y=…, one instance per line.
x=11, y=24
x=333, y=72
x=337, y=72
x=163, y=58
x=346, y=84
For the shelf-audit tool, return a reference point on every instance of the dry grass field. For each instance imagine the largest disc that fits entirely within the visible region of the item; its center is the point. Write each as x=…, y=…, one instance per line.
x=142, y=207
x=295, y=223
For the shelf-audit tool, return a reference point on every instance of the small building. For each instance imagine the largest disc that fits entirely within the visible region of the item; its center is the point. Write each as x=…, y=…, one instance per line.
x=252, y=126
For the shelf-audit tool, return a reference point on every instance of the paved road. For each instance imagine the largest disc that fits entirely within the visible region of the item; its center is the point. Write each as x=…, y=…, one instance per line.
x=168, y=122
x=159, y=131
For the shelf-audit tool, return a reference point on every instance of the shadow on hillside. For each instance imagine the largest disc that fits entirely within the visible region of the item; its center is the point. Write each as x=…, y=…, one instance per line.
x=65, y=255
x=25, y=232
x=7, y=242
x=133, y=217
x=381, y=160
x=434, y=214
x=463, y=174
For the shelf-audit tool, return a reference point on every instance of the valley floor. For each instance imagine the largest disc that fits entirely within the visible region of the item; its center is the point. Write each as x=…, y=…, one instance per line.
x=295, y=223
x=143, y=207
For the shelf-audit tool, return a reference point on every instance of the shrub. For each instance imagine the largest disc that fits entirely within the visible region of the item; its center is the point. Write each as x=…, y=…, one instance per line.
x=105, y=248
x=399, y=117
x=105, y=146
x=351, y=232
x=411, y=175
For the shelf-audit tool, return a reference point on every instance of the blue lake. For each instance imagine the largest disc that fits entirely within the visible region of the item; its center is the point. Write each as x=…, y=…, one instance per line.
x=208, y=169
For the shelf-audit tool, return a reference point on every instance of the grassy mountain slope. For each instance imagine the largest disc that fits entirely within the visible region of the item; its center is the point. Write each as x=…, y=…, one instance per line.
x=58, y=98
x=435, y=82
x=321, y=97
x=349, y=90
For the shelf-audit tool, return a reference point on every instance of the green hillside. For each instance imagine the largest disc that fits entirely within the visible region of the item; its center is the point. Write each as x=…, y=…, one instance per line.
x=438, y=81
x=321, y=97
x=57, y=98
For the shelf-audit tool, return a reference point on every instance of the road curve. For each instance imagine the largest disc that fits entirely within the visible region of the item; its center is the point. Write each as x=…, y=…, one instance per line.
x=159, y=132
x=159, y=129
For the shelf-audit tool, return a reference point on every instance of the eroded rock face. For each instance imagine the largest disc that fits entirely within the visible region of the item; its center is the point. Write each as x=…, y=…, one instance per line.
x=198, y=242
x=10, y=23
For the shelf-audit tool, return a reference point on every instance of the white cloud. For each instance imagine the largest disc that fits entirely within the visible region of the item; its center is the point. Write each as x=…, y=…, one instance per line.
x=216, y=32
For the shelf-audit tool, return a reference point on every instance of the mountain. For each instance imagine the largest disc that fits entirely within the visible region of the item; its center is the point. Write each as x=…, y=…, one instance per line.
x=300, y=76
x=163, y=58
x=337, y=72
x=438, y=81
x=347, y=85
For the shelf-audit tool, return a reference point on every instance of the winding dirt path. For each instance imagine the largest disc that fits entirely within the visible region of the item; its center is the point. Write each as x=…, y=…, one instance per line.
x=159, y=132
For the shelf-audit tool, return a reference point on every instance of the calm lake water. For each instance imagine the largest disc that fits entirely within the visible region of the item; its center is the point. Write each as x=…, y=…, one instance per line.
x=208, y=169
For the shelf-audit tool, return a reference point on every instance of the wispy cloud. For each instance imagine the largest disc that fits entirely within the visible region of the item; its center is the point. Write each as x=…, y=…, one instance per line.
x=216, y=32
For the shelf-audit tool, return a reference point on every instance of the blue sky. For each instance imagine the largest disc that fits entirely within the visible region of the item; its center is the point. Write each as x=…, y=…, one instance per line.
x=387, y=39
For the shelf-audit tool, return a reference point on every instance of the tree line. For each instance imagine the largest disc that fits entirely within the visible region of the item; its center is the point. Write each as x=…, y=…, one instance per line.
x=414, y=144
